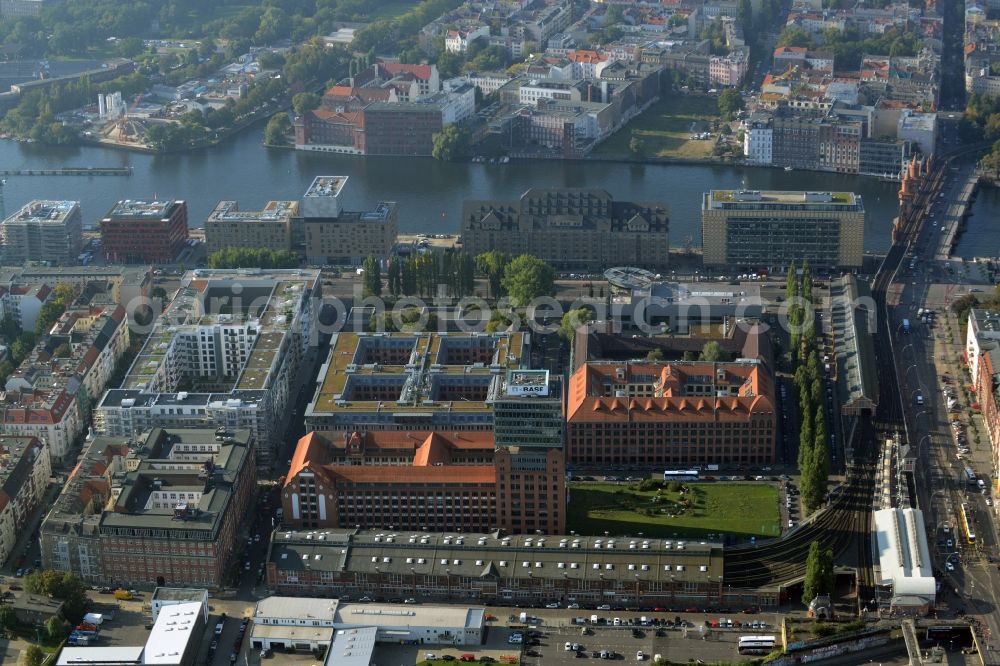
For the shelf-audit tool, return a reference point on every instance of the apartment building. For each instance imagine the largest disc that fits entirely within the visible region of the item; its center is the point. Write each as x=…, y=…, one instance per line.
x=982, y=335
x=163, y=508
x=570, y=228
x=769, y=228
x=671, y=414
x=497, y=569
x=25, y=468
x=403, y=128
x=413, y=381
x=24, y=289
x=17, y=8
x=333, y=235
x=51, y=394
x=225, y=353
x=758, y=139
x=269, y=228
x=135, y=232
x=49, y=232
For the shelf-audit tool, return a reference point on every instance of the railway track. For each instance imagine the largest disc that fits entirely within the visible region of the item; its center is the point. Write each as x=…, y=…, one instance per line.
x=845, y=524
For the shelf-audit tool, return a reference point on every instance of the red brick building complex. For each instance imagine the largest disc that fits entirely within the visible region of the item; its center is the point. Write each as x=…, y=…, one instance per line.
x=144, y=231
x=422, y=480
x=683, y=413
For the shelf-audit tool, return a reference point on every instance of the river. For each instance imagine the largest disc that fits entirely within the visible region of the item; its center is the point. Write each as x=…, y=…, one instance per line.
x=429, y=193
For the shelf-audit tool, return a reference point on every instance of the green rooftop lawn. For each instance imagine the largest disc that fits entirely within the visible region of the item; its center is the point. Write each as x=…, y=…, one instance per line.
x=749, y=509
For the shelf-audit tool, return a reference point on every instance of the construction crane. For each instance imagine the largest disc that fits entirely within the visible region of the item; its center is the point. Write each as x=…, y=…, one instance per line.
x=124, y=120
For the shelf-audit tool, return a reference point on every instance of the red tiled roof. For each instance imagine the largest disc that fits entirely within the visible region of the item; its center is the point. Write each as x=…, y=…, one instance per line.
x=586, y=401
x=422, y=72
x=586, y=56
x=401, y=474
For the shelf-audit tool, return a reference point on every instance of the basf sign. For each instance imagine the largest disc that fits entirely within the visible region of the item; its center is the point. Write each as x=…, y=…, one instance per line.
x=527, y=382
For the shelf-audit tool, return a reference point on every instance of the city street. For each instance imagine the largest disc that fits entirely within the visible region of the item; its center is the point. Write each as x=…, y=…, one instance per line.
x=929, y=362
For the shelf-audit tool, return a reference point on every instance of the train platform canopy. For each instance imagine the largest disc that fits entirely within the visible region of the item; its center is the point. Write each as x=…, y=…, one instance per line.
x=903, y=557
x=852, y=314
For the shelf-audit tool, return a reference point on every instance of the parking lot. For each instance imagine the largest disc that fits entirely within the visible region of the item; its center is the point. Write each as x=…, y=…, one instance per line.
x=495, y=647
x=625, y=644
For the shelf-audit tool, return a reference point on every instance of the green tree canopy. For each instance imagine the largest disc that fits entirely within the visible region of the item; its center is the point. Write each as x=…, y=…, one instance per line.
x=492, y=264
x=712, y=352
x=277, y=129
x=34, y=656
x=526, y=278
x=730, y=101
x=450, y=143
x=305, y=102
x=372, y=278
x=572, y=320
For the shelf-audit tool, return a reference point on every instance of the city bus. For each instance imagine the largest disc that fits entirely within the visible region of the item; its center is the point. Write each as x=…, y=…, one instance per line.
x=680, y=475
x=756, y=644
x=966, y=517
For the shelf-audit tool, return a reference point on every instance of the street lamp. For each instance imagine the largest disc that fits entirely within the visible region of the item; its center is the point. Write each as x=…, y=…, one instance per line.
x=637, y=592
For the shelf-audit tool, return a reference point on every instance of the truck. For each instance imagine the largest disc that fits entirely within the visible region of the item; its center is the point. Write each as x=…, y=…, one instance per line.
x=906, y=326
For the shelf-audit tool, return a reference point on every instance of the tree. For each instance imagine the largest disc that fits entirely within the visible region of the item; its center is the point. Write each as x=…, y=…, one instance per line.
x=34, y=656
x=394, y=277
x=791, y=282
x=656, y=355
x=372, y=277
x=55, y=628
x=637, y=146
x=526, y=278
x=47, y=316
x=492, y=264
x=794, y=36
x=450, y=143
x=712, y=353
x=158, y=293
x=62, y=351
x=277, y=129
x=8, y=619
x=572, y=320
x=730, y=101
x=305, y=102
x=819, y=579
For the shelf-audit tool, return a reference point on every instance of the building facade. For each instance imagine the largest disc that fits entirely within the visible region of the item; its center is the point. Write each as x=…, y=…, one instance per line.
x=423, y=481
x=413, y=381
x=750, y=228
x=225, y=353
x=333, y=235
x=672, y=415
x=491, y=568
x=269, y=228
x=43, y=231
x=144, y=231
x=403, y=129
x=24, y=478
x=758, y=140
x=51, y=394
x=163, y=508
x=570, y=228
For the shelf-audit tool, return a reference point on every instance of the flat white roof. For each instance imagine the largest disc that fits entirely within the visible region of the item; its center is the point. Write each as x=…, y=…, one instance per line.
x=904, y=558
x=296, y=608
x=171, y=633
x=100, y=656
x=351, y=647
x=417, y=615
